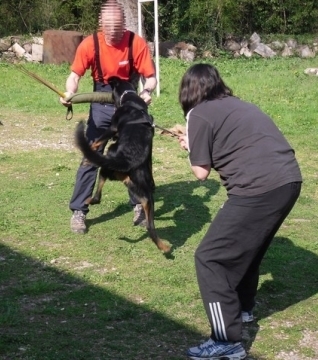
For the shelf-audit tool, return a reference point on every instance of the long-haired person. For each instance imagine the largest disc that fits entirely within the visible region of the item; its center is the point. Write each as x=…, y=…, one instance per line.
x=260, y=173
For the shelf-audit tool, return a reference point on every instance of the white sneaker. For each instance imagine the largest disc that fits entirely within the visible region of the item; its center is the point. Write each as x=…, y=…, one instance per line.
x=247, y=316
x=217, y=350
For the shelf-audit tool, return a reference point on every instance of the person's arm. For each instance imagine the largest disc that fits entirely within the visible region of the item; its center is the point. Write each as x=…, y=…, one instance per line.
x=145, y=67
x=71, y=87
x=149, y=86
x=201, y=172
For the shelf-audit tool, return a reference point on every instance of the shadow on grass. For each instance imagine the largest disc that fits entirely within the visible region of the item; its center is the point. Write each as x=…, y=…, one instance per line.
x=48, y=314
x=187, y=210
x=293, y=272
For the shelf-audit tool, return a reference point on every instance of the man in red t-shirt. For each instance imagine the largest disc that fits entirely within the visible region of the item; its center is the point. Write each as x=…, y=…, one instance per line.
x=106, y=54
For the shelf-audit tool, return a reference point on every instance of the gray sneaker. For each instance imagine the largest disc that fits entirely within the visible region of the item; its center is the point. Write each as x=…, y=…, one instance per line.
x=139, y=216
x=216, y=350
x=247, y=316
x=78, y=222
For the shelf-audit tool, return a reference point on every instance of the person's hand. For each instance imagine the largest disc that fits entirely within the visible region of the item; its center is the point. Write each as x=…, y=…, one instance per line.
x=146, y=96
x=67, y=94
x=183, y=141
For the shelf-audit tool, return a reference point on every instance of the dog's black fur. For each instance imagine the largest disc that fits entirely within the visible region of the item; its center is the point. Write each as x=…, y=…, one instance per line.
x=129, y=158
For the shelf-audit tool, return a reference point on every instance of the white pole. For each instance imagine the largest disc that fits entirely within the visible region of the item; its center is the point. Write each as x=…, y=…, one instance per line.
x=157, y=47
x=139, y=19
x=156, y=38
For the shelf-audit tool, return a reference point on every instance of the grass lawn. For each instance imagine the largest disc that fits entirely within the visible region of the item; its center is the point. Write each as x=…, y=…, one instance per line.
x=110, y=294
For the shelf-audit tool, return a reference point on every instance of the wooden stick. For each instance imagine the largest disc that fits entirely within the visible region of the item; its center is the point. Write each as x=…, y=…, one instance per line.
x=40, y=80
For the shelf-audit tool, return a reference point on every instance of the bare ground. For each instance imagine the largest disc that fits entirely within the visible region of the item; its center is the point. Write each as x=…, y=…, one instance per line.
x=20, y=133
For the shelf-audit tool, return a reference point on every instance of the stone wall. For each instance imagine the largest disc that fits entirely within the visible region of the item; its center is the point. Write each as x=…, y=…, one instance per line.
x=52, y=48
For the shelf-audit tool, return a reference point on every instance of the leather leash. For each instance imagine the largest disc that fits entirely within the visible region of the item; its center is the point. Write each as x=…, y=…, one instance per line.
x=168, y=131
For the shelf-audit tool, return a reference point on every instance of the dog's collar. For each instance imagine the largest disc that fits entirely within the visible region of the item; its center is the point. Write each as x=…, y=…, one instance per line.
x=124, y=93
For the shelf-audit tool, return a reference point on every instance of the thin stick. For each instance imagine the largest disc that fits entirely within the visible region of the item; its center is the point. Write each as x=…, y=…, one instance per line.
x=40, y=80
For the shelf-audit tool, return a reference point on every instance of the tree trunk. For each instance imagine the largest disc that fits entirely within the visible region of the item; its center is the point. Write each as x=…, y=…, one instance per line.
x=131, y=13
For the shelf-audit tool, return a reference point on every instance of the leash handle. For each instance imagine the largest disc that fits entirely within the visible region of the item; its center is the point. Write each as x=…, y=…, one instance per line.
x=69, y=113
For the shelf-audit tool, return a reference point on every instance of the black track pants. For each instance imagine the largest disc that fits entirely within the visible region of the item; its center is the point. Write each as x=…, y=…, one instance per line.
x=228, y=258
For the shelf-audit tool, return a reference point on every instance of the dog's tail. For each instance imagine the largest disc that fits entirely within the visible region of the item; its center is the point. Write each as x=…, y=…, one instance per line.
x=119, y=163
x=81, y=142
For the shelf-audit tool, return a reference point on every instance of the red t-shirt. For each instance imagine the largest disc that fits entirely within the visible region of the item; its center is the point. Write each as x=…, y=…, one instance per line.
x=113, y=59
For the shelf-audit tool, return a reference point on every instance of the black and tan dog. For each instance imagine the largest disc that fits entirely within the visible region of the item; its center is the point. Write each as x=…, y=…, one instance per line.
x=129, y=158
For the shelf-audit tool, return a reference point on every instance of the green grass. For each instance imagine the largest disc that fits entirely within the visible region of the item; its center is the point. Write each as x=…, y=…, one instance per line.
x=110, y=294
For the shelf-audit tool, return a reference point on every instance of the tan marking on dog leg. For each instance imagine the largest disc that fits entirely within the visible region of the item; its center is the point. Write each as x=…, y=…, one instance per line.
x=152, y=230
x=98, y=194
x=150, y=220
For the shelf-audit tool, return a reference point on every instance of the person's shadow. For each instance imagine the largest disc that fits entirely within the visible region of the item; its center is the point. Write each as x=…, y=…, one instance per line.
x=290, y=273
x=184, y=205
x=48, y=313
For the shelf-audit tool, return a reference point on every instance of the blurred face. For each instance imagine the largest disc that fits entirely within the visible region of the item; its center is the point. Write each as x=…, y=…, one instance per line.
x=112, y=23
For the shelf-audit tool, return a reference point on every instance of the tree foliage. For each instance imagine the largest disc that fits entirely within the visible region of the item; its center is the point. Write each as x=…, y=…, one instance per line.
x=203, y=22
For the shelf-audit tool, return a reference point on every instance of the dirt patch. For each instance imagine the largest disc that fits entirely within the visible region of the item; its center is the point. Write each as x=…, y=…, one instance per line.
x=20, y=133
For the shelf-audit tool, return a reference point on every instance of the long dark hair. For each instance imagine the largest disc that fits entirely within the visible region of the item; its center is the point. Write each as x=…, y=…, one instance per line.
x=201, y=82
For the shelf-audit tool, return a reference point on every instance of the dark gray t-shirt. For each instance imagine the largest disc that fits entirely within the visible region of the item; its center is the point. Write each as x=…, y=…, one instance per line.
x=242, y=144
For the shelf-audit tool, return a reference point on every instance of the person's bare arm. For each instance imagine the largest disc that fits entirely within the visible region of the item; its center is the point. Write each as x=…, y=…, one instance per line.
x=201, y=172
x=149, y=87
x=71, y=87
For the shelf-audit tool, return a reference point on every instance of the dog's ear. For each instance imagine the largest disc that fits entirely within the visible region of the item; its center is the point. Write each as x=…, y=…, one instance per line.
x=113, y=81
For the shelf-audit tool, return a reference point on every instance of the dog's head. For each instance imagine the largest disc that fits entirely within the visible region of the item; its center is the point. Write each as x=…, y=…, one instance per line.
x=119, y=87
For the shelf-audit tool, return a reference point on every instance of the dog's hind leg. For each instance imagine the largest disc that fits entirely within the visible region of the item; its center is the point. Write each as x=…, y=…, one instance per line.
x=144, y=194
x=96, y=199
x=103, y=139
x=148, y=206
